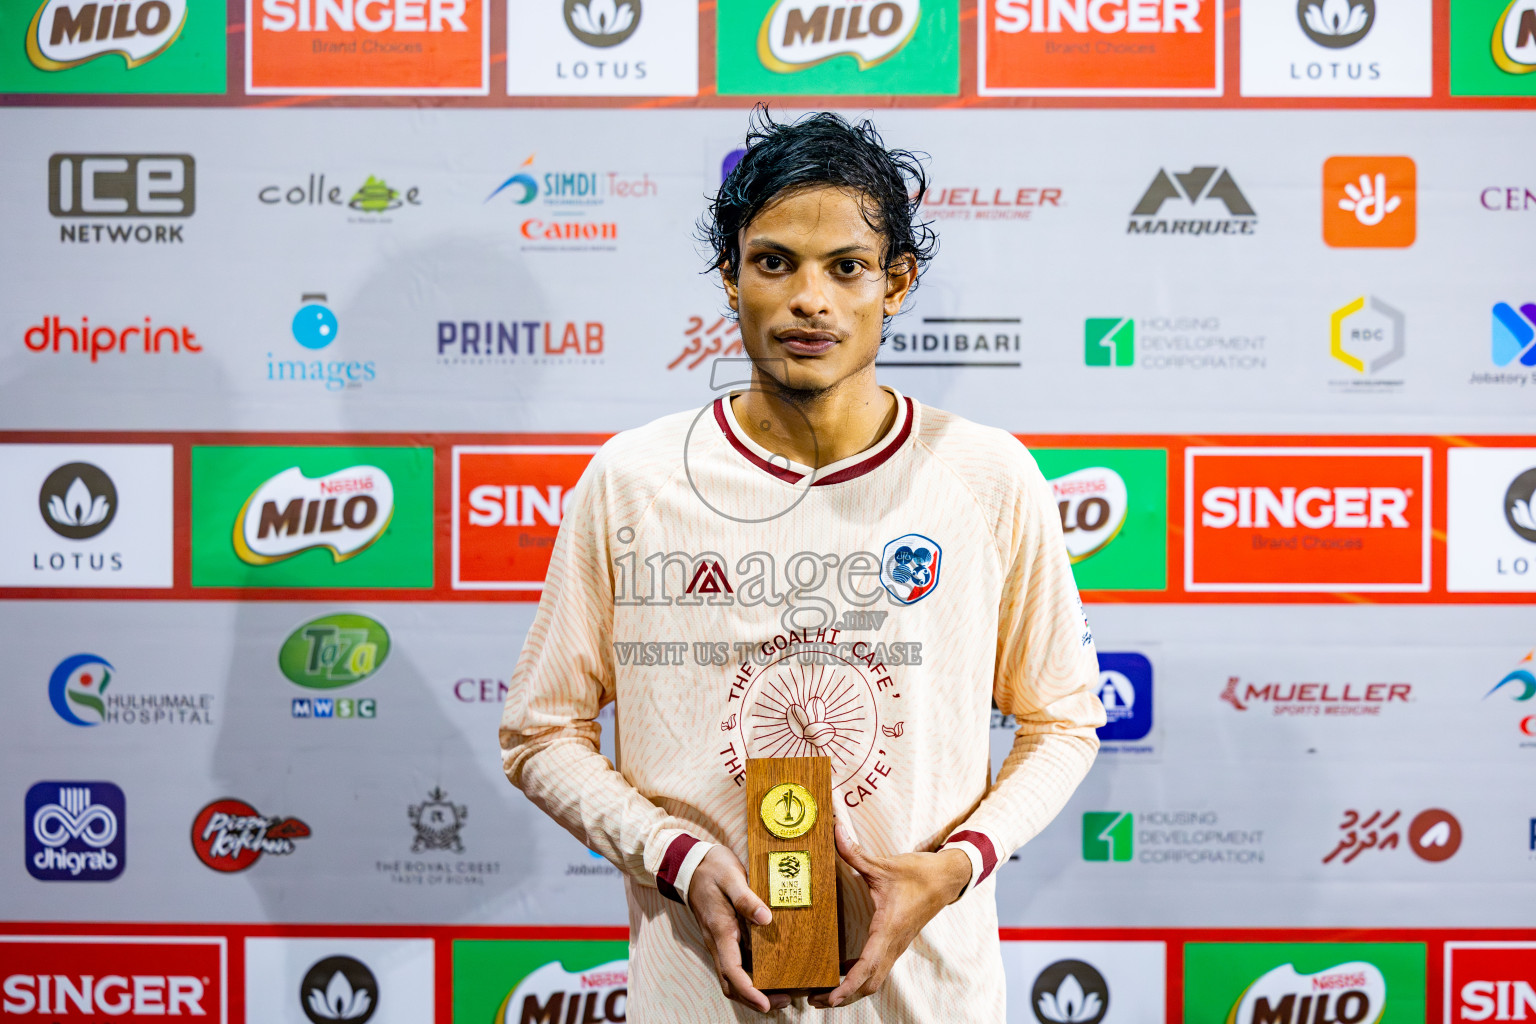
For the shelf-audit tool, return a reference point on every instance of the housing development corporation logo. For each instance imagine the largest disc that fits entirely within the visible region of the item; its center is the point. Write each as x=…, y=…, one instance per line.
x=1108, y=835
x=1109, y=341
x=1370, y=201
x=339, y=988
x=98, y=193
x=75, y=832
x=229, y=835
x=508, y=501
x=1208, y=190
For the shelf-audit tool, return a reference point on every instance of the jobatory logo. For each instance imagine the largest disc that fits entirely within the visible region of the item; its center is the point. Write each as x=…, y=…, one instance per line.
x=48, y=978
x=1125, y=690
x=1490, y=537
x=229, y=835
x=78, y=501
x=1490, y=981
x=363, y=47
x=87, y=189
x=1306, y=519
x=508, y=501
x=112, y=46
x=909, y=567
x=1069, y=992
x=75, y=832
x=1208, y=190
x=1514, y=334
x=77, y=691
x=1286, y=983
x=1099, y=47
x=1370, y=202
x=1113, y=504
x=1433, y=835
x=339, y=988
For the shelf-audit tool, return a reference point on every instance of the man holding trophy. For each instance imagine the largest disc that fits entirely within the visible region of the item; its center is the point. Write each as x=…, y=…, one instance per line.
x=804, y=600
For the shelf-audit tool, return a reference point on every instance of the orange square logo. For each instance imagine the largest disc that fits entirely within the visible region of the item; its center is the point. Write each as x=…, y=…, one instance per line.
x=508, y=501
x=1306, y=519
x=1370, y=202
x=1100, y=47
x=367, y=47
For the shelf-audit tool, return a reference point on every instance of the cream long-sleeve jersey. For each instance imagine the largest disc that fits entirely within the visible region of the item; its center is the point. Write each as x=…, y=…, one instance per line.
x=734, y=604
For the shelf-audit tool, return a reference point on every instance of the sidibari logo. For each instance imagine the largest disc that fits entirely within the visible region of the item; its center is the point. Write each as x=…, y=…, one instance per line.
x=339, y=988
x=602, y=23
x=597, y=995
x=799, y=34
x=1514, y=38
x=1070, y=992
x=228, y=835
x=78, y=501
x=334, y=651
x=1347, y=993
x=343, y=512
x=75, y=832
x=1336, y=23
x=1093, y=503
x=67, y=33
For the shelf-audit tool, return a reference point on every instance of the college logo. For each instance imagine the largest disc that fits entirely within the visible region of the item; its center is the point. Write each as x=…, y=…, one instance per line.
x=75, y=832
x=228, y=835
x=361, y=47
x=343, y=512
x=1433, y=835
x=1491, y=519
x=1306, y=519
x=334, y=651
x=1108, y=835
x=1490, y=981
x=112, y=186
x=909, y=567
x=1070, y=992
x=1113, y=504
x=1100, y=47
x=1125, y=690
x=374, y=198
x=1281, y=983
x=100, y=977
x=339, y=988
x=507, y=505
x=1370, y=201
x=437, y=822
x=1514, y=334
x=1208, y=188
x=78, y=501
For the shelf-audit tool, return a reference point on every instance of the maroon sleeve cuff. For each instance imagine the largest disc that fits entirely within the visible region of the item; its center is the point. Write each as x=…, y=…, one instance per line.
x=671, y=864
x=983, y=846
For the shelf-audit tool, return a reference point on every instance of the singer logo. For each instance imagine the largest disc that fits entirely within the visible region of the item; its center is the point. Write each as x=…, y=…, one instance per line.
x=358, y=47
x=1490, y=981
x=507, y=505
x=1306, y=519
x=48, y=977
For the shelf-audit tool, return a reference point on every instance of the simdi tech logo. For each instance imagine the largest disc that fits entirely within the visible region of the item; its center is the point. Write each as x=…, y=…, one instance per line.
x=573, y=211
x=311, y=517
x=101, y=195
x=119, y=978
x=508, y=501
x=1490, y=535
x=367, y=47
x=1337, y=48
x=1306, y=519
x=1099, y=47
x=1113, y=504
x=838, y=47
x=1492, y=981
x=1295, y=983
x=603, y=48
x=1370, y=202
x=512, y=981
x=1493, y=48
x=102, y=46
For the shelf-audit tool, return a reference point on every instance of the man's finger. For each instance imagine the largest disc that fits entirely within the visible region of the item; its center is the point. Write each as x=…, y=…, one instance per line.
x=851, y=852
x=742, y=989
x=857, y=975
x=747, y=903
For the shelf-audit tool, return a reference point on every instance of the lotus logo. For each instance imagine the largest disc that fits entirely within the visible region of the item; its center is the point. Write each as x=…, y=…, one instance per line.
x=602, y=22
x=1070, y=992
x=1336, y=23
x=78, y=501
x=1517, y=505
x=800, y=34
x=339, y=988
x=342, y=512
x=65, y=33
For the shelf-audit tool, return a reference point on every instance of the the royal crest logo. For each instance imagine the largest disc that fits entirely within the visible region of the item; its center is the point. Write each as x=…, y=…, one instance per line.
x=229, y=835
x=437, y=821
x=799, y=34
x=1354, y=991
x=343, y=512
x=66, y=33
x=909, y=567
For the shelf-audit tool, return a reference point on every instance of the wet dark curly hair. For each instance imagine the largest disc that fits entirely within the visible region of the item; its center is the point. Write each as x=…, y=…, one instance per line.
x=814, y=151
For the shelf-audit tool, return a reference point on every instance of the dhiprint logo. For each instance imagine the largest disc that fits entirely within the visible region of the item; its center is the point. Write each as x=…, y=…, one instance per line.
x=602, y=23
x=803, y=33
x=339, y=988
x=1201, y=187
x=1070, y=992
x=343, y=512
x=67, y=33
x=78, y=501
x=1514, y=334
x=112, y=186
x=909, y=567
x=1108, y=835
x=1336, y=23
x=228, y=835
x=1370, y=202
x=75, y=832
x=1109, y=341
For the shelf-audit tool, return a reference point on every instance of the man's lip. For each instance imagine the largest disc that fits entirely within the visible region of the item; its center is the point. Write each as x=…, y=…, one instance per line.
x=807, y=342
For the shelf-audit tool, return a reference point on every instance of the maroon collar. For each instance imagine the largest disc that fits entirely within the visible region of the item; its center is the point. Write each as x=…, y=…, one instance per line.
x=839, y=472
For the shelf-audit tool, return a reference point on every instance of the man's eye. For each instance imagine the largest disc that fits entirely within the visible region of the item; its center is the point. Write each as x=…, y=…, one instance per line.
x=849, y=267
x=773, y=263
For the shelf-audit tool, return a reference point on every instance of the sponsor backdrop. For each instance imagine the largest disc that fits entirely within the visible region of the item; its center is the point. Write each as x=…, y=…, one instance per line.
x=312, y=314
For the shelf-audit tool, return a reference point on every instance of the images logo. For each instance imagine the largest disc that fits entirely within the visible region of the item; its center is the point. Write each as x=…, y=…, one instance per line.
x=78, y=501
x=314, y=327
x=75, y=832
x=1370, y=202
x=334, y=651
x=342, y=512
x=1114, y=514
x=508, y=501
x=1108, y=835
x=228, y=835
x=602, y=23
x=339, y=988
x=1109, y=341
x=1490, y=981
x=909, y=567
x=1514, y=334
x=1125, y=689
x=1070, y=992
x=1199, y=185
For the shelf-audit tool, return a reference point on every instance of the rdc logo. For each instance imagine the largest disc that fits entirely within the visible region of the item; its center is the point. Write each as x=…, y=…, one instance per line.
x=75, y=831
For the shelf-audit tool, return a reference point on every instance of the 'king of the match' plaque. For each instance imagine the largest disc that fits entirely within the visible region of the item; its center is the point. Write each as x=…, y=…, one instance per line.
x=792, y=866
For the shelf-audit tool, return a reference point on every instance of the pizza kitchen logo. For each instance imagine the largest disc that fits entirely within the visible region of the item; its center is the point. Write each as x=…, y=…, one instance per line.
x=67, y=33
x=342, y=512
x=799, y=34
x=229, y=835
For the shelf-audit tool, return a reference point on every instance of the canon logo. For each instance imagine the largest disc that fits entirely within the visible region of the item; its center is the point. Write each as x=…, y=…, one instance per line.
x=171, y=995
x=1107, y=16
x=367, y=15
x=1498, y=1000
x=1311, y=507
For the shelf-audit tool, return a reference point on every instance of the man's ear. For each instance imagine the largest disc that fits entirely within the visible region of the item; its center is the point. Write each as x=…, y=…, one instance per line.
x=732, y=293
x=899, y=279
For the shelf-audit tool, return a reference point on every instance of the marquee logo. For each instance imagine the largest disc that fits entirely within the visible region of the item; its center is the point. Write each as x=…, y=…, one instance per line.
x=229, y=835
x=66, y=33
x=803, y=33
x=1208, y=189
x=343, y=512
x=76, y=831
x=119, y=978
x=508, y=501
x=1349, y=993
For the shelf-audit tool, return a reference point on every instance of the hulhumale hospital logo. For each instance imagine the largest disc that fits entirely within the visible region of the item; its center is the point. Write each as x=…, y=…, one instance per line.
x=80, y=682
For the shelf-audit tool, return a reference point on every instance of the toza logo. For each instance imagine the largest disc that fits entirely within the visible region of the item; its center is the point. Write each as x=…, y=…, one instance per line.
x=1336, y=23
x=67, y=33
x=78, y=501
x=339, y=988
x=1070, y=992
x=334, y=651
x=76, y=831
x=343, y=512
x=800, y=34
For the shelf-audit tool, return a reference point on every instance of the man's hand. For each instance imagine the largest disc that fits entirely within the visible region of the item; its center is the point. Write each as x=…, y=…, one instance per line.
x=716, y=895
x=908, y=890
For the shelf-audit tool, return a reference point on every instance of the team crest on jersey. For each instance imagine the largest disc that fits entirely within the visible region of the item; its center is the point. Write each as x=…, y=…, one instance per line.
x=909, y=567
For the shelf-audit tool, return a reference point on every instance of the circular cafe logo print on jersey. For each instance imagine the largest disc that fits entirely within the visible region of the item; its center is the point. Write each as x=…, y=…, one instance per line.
x=228, y=835
x=1520, y=503
x=1435, y=835
x=1336, y=23
x=339, y=988
x=77, y=686
x=602, y=22
x=1070, y=992
x=821, y=706
x=78, y=501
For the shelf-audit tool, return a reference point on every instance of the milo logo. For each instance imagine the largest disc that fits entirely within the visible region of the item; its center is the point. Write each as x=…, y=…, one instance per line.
x=597, y=995
x=333, y=651
x=1092, y=503
x=343, y=512
x=65, y=33
x=1348, y=993
x=801, y=33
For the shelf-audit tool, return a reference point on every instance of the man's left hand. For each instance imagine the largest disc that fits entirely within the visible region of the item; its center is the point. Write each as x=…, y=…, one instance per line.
x=908, y=891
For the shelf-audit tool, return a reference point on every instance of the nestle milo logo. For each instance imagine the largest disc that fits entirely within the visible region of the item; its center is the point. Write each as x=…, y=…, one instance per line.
x=333, y=651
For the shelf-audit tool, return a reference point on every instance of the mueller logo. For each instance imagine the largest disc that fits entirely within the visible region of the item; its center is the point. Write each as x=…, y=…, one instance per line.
x=1492, y=981
x=76, y=831
x=799, y=34
x=66, y=33
x=48, y=977
x=122, y=185
x=1306, y=519
x=1316, y=698
x=481, y=341
x=1006, y=202
x=1347, y=993
x=52, y=335
x=1207, y=189
x=507, y=505
x=343, y=512
x=228, y=835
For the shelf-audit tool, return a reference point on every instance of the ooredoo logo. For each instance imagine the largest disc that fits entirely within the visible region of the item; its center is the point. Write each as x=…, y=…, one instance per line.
x=359, y=47
x=1100, y=47
x=1490, y=981
x=228, y=835
x=1306, y=519
x=113, y=978
x=507, y=504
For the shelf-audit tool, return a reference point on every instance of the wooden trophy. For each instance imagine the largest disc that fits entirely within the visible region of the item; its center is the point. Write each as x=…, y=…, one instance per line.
x=792, y=866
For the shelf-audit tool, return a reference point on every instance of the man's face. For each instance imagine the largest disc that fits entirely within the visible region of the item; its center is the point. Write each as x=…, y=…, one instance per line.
x=811, y=294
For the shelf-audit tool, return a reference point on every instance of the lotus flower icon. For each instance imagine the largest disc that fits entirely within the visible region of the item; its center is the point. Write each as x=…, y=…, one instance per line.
x=340, y=988
x=339, y=1001
x=1336, y=17
x=603, y=18
x=1069, y=1004
x=78, y=506
x=1520, y=512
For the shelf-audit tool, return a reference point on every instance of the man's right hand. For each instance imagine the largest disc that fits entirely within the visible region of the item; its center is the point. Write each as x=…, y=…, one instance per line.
x=717, y=894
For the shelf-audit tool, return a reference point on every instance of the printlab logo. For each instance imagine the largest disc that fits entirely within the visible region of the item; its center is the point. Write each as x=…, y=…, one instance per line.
x=78, y=501
x=339, y=988
x=76, y=831
x=1367, y=335
x=437, y=821
x=1209, y=189
x=1370, y=202
x=1108, y=835
x=1514, y=334
x=1125, y=690
x=602, y=23
x=1070, y=992
x=1336, y=23
x=1109, y=341
x=153, y=187
x=1433, y=835
x=909, y=567
x=229, y=835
